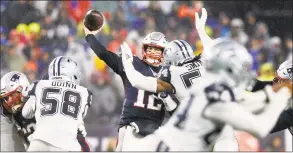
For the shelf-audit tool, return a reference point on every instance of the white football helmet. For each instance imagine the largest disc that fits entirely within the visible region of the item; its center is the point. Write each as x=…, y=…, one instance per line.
x=154, y=39
x=12, y=86
x=178, y=52
x=285, y=70
x=229, y=58
x=64, y=68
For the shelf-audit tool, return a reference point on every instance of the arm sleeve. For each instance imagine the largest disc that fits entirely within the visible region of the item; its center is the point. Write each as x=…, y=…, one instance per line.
x=170, y=104
x=138, y=80
x=89, y=102
x=256, y=85
x=111, y=59
x=29, y=108
x=205, y=39
x=284, y=121
x=259, y=125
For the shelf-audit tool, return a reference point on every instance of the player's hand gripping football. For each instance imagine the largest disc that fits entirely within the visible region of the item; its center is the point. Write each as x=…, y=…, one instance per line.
x=201, y=22
x=87, y=31
x=126, y=53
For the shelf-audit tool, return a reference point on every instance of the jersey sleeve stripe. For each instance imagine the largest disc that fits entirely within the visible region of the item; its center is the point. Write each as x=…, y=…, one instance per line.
x=89, y=98
x=33, y=90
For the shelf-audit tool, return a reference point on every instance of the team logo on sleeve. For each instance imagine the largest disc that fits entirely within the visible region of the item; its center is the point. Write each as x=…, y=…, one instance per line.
x=15, y=78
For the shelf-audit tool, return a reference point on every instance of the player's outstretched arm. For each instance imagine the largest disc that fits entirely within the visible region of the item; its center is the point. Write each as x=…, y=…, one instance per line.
x=237, y=116
x=138, y=80
x=200, y=27
x=28, y=110
x=284, y=121
x=111, y=59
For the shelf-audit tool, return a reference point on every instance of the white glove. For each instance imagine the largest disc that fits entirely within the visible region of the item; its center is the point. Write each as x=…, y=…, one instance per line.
x=200, y=27
x=82, y=129
x=201, y=22
x=126, y=53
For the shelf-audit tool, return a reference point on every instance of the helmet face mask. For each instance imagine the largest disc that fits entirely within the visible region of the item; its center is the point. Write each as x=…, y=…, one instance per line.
x=153, y=55
x=156, y=41
x=12, y=85
x=12, y=99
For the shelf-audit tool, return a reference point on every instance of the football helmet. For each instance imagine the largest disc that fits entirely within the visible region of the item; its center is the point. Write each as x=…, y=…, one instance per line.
x=178, y=52
x=64, y=68
x=154, y=39
x=12, y=85
x=229, y=58
x=284, y=72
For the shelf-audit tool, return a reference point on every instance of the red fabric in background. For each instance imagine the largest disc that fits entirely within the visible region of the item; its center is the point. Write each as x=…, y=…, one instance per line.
x=77, y=9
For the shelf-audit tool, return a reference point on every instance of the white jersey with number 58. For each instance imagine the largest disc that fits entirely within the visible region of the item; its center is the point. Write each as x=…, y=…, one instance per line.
x=59, y=107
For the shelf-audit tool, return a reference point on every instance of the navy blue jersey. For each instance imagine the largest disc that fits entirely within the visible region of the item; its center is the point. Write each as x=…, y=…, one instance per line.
x=141, y=107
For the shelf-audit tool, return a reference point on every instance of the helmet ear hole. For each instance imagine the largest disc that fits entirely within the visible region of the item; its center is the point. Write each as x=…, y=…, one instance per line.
x=229, y=70
x=75, y=77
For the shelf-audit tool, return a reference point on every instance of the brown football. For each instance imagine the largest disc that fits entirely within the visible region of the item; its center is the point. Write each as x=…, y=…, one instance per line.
x=93, y=20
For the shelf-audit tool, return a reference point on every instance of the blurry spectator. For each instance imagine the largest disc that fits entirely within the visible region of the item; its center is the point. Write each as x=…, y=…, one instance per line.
x=274, y=53
x=41, y=6
x=166, y=6
x=288, y=48
x=104, y=100
x=237, y=31
x=257, y=53
x=76, y=51
x=114, y=45
x=15, y=60
x=77, y=9
x=43, y=62
x=20, y=12
x=119, y=19
x=250, y=20
x=47, y=31
x=157, y=14
x=261, y=31
x=3, y=36
x=142, y=4
x=30, y=70
x=224, y=21
x=150, y=25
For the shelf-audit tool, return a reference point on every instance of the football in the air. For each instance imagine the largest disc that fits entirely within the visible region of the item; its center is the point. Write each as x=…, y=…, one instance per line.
x=94, y=20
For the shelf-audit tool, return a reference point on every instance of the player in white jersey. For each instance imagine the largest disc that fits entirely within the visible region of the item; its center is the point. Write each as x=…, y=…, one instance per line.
x=12, y=85
x=58, y=105
x=211, y=99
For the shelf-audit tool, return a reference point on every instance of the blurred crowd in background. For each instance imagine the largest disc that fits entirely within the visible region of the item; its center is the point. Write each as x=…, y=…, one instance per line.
x=34, y=32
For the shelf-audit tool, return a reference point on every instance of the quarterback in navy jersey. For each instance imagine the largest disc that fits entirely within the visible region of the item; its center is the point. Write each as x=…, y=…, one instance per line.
x=142, y=111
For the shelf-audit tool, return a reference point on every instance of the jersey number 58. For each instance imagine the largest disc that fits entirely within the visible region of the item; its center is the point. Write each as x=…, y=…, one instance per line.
x=69, y=106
